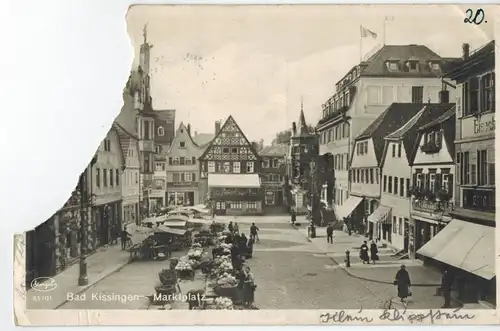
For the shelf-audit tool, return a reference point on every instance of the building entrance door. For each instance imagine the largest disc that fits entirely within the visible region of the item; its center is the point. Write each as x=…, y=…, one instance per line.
x=189, y=201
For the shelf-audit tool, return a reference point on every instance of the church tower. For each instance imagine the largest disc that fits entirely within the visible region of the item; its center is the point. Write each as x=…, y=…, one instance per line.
x=304, y=148
x=145, y=52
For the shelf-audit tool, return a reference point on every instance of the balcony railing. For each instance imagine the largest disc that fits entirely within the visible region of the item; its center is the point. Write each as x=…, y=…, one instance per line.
x=433, y=207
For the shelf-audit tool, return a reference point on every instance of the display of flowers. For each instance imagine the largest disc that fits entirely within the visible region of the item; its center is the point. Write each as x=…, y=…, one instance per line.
x=220, y=259
x=226, y=246
x=184, y=264
x=196, y=245
x=226, y=266
x=227, y=280
x=195, y=253
x=223, y=303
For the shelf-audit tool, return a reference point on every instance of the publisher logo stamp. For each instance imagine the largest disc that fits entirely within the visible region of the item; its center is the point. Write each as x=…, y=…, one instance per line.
x=43, y=284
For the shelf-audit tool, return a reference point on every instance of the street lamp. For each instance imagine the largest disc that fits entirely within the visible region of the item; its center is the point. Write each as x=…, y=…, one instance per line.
x=85, y=201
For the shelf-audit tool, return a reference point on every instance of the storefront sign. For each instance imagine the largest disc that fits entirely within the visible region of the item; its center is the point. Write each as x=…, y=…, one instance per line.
x=478, y=126
x=182, y=184
x=484, y=126
x=238, y=194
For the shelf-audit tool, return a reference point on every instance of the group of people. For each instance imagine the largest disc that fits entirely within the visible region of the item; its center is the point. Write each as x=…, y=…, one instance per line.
x=234, y=228
x=242, y=247
x=363, y=252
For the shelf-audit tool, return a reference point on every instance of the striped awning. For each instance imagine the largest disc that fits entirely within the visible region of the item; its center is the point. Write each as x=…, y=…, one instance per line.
x=380, y=215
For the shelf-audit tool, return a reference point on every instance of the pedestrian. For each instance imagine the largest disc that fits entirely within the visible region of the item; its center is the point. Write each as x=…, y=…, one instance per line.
x=446, y=282
x=250, y=247
x=125, y=237
x=374, y=252
x=329, y=233
x=248, y=288
x=363, y=253
x=294, y=216
x=404, y=284
x=236, y=228
x=254, y=232
x=230, y=227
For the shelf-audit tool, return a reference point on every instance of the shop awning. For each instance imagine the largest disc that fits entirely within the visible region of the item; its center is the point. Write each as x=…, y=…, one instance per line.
x=464, y=245
x=348, y=207
x=234, y=180
x=381, y=214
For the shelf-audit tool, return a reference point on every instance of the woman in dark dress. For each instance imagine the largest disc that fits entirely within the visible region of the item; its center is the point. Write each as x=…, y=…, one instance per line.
x=363, y=253
x=403, y=282
x=250, y=247
x=248, y=288
x=373, y=252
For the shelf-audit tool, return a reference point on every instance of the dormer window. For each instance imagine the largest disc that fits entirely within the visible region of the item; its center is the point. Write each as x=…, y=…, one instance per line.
x=392, y=65
x=435, y=66
x=161, y=131
x=412, y=64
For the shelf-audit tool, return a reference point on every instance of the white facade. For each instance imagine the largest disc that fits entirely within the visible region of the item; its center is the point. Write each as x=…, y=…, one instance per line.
x=365, y=174
x=373, y=96
x=395, y=188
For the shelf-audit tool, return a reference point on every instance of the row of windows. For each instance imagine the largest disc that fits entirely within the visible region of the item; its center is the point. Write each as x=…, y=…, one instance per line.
x=434, y=181
x=384, y=95
x=182, y=177
x=340, y=100
x=268, y=163
x=131, y=178
x=362, y=148
x=365, y=176
x=275, y=178
x=340, y=161
x=110, y=177
x=176, y=160
x=222, y=205
x=396, y=185
x=337, y=132
x=229, y=167
x=478, y=94
x=475, y=168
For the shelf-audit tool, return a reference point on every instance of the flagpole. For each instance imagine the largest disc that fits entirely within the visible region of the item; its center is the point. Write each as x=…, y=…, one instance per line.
x=360, y=43
x=383, y=31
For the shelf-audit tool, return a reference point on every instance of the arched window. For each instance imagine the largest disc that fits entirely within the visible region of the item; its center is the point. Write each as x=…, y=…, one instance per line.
x=161, y=131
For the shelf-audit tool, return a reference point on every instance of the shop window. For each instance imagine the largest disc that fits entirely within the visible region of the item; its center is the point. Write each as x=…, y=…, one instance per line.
x=252, y=205
x=482, y=200
x=236, y=205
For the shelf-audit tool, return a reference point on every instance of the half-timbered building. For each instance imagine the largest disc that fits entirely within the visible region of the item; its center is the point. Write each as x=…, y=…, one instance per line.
x=229, y=170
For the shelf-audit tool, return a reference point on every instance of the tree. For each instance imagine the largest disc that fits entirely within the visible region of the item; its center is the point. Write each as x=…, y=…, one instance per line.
x=284, y=136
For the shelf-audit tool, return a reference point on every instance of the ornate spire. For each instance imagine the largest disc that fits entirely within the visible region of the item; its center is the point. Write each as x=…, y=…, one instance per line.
x=145, y=33
x=302, y=127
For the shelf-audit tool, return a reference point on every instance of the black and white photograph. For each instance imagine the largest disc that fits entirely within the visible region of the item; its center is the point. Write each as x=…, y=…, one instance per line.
x=333, y=157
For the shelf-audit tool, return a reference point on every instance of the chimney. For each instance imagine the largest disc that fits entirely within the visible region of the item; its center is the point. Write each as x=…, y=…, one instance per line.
x=255, y=146
x=189, y=129
x=444, y=96
x=217, y=127
x=466, y=51
x=294, y=129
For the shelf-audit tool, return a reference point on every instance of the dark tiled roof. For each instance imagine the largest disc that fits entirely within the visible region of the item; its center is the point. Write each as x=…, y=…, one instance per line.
x=390, y=120
x=408, y=132
x=202, y=139
x=275, y=150
x=485, y=54
x=449, y=113
x=127, y=118
x=376, y=64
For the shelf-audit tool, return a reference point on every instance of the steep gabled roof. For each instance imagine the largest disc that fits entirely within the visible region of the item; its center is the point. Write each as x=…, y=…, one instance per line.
x=230, y=121
x=441, y=119
x=177, y=135
x=275, y=150
x=390, y=120
x=408, y=132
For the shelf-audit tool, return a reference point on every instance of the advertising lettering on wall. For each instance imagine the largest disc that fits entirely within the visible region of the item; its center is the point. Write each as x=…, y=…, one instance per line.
x=222, y=193
x=484, y=126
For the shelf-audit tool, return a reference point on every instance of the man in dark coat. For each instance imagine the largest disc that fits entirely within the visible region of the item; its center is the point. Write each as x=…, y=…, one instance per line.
x=329, y=234
x=125, y=237
x=363, y=253
x=403, y=282
x=373, y=252
x=446, y=282
x=294, y=216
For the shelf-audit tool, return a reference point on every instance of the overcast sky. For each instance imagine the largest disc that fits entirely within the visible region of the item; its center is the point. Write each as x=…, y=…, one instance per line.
x=255, y=63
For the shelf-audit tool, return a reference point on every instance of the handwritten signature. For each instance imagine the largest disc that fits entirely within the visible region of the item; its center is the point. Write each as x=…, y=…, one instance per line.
x=394, y=315
x=43, y=284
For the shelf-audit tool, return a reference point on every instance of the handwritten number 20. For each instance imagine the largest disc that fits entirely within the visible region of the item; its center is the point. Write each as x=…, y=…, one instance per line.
x=474, y=18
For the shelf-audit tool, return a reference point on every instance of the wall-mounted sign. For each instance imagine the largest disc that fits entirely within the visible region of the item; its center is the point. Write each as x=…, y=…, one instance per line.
x=478, y=126
x=237, y=194
x=182, y=184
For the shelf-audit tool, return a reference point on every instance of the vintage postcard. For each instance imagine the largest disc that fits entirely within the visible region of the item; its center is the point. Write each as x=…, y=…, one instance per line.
x=329, y=164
